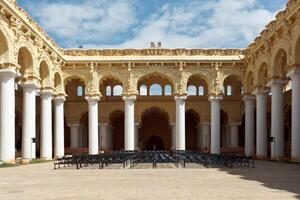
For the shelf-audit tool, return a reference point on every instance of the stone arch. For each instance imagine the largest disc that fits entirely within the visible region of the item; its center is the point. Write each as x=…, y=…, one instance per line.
x=201, y=79
x=109, y=80
x=162, y=129
x=45, y=75
x=25, y=60
x=235, y=82
x=249, y=86
x=262, y=75
x=72, y=77
x=58, y=84
x=280, y=64
x=156, y=73
x=4, y=48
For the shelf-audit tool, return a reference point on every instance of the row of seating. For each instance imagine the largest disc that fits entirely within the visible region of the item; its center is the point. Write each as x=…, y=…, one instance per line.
x=134, y=158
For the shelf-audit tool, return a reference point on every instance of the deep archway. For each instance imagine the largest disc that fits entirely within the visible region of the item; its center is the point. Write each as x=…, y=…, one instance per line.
x=155, y=130
x=192, y=120
x=155, y=143
x=117, y=122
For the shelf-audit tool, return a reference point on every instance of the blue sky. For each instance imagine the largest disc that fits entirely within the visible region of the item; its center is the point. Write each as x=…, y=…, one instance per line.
x=136, y=23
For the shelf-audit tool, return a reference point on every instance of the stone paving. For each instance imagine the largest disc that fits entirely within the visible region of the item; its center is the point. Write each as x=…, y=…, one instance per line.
x=269, y=180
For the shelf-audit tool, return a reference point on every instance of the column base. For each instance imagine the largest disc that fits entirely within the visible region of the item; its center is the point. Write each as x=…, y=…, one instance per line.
x=261, y=157
x=8, y=162
x=46, y=158
x=295, y=160
x=277, y=158
x=25, y=161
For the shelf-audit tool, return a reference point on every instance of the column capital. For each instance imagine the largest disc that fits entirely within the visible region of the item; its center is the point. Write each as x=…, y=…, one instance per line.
x=248, y=98
x=294, y=73
x=9, y=73
x=30, y=84
x=129, y=98
x=215, y=98
x=274, y=81
x=94, y=98
x=46, y=92
x=180, y=97
x=59, y=98
x=261, y=91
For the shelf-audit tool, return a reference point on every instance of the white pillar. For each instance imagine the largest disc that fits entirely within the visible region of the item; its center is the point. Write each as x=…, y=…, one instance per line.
x=261, y=123
x=234, y=135
x=215, y=124
x=7, y=115
x=59, y=144
x=277, y=122
x=29, y=122
x=249, y=125
x=295, y=77
x=173, y=136
x=46, y=124
x=129, y=122
x=205, y=133
x=93, y=124
x=136, y=136
x=74, y=135
x=180, y=122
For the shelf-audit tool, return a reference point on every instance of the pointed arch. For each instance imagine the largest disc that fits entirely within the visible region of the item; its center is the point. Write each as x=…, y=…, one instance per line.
x=25, y=60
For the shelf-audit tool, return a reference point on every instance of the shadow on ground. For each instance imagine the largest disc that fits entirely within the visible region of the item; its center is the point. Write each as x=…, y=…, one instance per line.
x=274, y=175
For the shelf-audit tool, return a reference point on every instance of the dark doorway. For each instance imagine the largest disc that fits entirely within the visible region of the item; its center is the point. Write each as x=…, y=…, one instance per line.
x=155, y=143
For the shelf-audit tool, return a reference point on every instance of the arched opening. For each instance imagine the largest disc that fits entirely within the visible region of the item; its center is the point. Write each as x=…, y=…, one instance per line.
x=262, y=75
x=116, y=120
x=111, y=87
x=3, y=48
x=160, y=132
x=232, y=87
x=192, y=121
x=25, y=60
x=280, y=64
x=249, y=86
x=58, y=83
x=44, y=75
x=197, y=85
x=154, y=85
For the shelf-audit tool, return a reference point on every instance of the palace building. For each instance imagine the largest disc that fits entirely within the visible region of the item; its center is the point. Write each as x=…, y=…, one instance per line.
x=56, y=101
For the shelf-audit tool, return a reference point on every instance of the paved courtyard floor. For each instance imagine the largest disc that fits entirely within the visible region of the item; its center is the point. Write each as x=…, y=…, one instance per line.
x=269, y=180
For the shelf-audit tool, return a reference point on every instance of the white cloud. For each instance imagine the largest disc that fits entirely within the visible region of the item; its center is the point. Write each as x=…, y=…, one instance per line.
x=194, y=23
x=224, y=23
x=92, y=20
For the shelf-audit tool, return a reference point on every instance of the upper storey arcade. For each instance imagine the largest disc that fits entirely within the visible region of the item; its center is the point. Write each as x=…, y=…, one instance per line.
x=26, y=46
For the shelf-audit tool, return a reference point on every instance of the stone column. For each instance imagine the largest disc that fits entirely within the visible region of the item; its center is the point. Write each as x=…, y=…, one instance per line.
x=46, y=124
x=136, y=136
x=261, y=123
x=74, y=135
x=277, y=122
x=249, y=125
x=7, y=115
x=29, y=121
x=93, y=124
x=129, y=122
x=59, y=144
x=205, y=135
x=173, y=136
x=215, y=124
x=180, y=122
x=295, y=77
x=234, y=135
